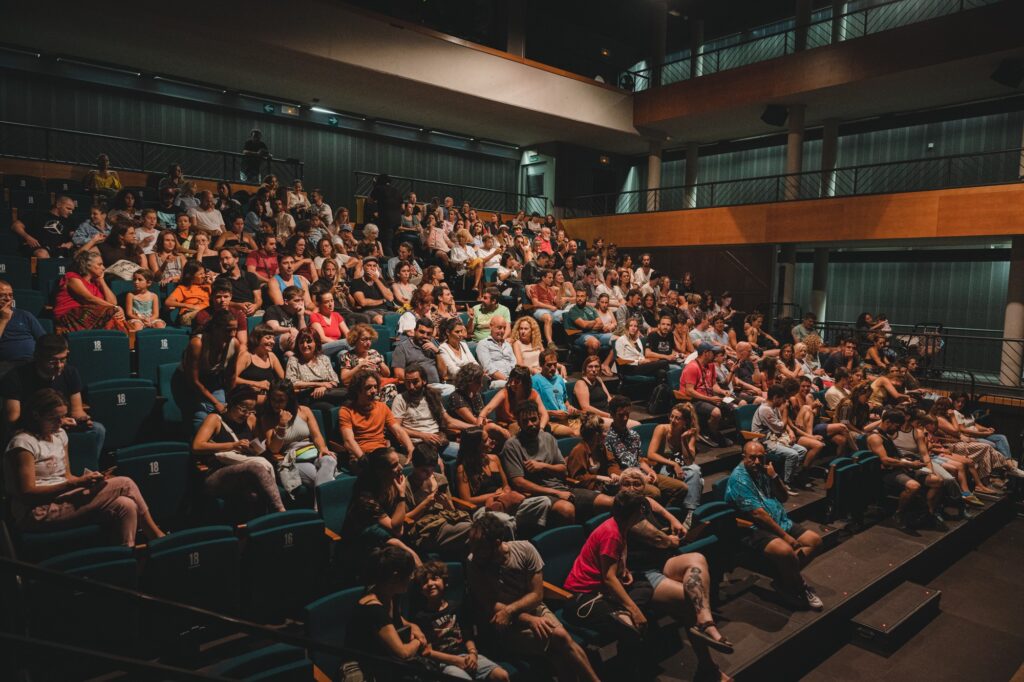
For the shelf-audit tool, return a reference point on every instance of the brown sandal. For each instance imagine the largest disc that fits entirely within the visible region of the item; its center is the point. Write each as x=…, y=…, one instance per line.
x=701, y=630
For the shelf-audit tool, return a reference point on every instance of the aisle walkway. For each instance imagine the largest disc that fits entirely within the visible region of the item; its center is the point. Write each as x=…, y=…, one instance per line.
x=979, y=634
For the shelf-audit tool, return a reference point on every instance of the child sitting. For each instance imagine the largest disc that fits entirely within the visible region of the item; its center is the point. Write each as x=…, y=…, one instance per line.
x=453, y=654
x=142, y=306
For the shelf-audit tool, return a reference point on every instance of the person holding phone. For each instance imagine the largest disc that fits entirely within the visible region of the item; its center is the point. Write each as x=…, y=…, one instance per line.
x=46, y=495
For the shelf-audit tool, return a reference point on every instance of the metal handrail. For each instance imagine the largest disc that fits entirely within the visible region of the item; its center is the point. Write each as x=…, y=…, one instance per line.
x=785, y=27
x=855, y=180
x=509, y=201
x=48, y=149
x=21, y=568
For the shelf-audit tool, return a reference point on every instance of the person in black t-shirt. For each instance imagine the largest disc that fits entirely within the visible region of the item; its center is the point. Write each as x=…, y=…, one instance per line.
x=47, y=235
x=661, y=342
x=254, y=151
x=376, y=624
x=49, y=368
x=287, y=319
x=369, y=292
x=245, y=286
x=451, y=649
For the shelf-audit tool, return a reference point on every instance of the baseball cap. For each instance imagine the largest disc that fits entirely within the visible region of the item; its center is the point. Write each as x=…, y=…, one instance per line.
x=708, y=348
x=346, y=228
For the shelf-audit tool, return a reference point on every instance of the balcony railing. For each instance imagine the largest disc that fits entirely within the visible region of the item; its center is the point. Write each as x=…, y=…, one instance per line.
x=914, y=175
x=786, y=37
x=480, y=198
x=39, y=143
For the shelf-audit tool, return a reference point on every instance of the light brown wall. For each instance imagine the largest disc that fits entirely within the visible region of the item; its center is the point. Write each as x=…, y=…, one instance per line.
x=969, y=212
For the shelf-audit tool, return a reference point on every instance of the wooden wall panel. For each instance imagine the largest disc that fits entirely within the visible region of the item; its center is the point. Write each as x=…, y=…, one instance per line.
x=967, y=212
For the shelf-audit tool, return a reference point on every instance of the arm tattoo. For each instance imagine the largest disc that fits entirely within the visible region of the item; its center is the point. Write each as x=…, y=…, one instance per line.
x=694, y=586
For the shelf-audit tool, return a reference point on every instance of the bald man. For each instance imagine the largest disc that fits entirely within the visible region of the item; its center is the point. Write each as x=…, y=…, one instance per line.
x=756, y=490
x=495, y=353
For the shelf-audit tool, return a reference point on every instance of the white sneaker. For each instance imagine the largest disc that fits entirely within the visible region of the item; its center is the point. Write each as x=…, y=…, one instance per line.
x=813, y=600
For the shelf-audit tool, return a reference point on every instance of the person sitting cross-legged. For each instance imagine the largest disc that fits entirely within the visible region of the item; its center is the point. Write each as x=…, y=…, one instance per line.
x=610, y=598
x=758, y=492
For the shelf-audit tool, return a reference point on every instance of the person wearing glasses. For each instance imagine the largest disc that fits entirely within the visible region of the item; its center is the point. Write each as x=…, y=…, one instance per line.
x=19, y=330
x=237, y=469
x=757, y=491
x=49, y=368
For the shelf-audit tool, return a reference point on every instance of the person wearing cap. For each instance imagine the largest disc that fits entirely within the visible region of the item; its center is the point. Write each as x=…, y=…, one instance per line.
x=370, y=293
x=698, y=382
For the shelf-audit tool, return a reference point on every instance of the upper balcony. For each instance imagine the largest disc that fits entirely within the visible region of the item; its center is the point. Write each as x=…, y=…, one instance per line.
x=966, y=195
x=901, y=55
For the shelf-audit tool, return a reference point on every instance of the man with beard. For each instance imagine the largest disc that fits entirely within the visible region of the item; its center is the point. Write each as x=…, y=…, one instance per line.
x=420, y=412
x=757, y=491
x=419, y=351
x=535, y=466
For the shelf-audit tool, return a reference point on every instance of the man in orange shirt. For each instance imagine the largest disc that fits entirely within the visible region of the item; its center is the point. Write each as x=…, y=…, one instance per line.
x=363, y=422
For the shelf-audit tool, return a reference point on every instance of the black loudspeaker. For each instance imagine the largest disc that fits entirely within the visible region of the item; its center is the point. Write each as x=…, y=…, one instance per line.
x=1010, y=73
x=775, y=115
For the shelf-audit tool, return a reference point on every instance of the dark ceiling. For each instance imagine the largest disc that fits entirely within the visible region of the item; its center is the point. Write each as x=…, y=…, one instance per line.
x=586, y=37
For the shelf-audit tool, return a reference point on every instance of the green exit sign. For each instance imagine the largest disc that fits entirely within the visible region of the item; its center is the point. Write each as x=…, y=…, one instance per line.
x=268, y=108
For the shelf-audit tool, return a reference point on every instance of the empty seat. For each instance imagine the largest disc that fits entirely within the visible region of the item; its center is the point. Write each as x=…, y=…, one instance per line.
x=170, y=411
x=59, y=612
x=195, y=566
x=162, y=478
x=327, y=620
x=38, y=545
x=147, y=449
x=333, y=499
x=16, y=270
x=49, y=272
x=25, y=200
x=565, y=445
x=29, y=183
x=559, y=548
x=30, y=300
x=291, y=544
x=83, y=450
x=65, y=186
x=155, y=347
x=99, y=354
x=123, y=406
x=646, y=432
x=274, y=663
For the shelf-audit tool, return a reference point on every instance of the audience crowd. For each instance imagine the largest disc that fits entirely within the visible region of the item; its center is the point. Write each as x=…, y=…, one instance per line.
x=432, y=337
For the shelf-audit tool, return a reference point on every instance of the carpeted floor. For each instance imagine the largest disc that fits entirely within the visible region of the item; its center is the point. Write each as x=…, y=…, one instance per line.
x=979, y=634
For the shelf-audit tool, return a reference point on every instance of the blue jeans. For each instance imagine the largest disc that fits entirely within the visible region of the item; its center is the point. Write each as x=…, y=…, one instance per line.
x=332, y=348
x=694, y=486
x=556, y=315
x=204, y=408
x=792, y=457
x=1000, y=443
x=604, y=339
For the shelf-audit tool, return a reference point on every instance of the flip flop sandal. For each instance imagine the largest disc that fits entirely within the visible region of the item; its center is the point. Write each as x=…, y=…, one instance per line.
x=701, y=630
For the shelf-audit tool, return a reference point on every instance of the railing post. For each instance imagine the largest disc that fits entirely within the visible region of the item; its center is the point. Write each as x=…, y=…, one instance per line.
x=46, y=143
x=224, y=166
x=142, y=156
x=856, y=170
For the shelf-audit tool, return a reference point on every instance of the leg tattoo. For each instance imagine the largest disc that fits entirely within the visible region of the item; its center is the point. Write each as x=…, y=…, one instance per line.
x=694, y=586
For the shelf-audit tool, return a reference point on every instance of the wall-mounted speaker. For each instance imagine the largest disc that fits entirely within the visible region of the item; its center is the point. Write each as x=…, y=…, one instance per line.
x=775, y=115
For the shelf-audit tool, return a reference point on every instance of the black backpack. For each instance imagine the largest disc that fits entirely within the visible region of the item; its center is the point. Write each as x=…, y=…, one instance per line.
x=661, y=399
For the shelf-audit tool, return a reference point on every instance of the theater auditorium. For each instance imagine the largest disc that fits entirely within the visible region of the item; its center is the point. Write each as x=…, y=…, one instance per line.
x=375, y=341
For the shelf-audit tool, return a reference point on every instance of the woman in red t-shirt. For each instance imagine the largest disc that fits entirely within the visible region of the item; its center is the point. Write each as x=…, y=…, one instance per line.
x=329, y=325
x=84, y=301
x=609, y=598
